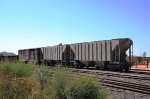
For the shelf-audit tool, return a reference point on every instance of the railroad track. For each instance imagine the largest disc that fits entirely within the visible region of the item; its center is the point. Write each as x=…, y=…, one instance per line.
x=113, y=74
x=145, y=89
x=133, y=74
x=138, y=71
x=140, y=88
x=126, y=76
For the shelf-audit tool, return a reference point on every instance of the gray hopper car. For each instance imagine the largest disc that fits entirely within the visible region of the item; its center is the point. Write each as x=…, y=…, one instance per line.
x=56, y=54
x=107, y=54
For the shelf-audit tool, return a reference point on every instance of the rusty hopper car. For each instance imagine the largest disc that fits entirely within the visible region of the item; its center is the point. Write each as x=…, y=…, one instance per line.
x=33, y=55
x=107, y=54
x=56, y=54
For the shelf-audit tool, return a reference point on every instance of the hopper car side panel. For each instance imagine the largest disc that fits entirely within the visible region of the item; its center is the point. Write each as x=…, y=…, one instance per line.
x=80, y=52
x=87, y=51
x=94, y=51
x=108, y=50
x=83, y=51
x=103, y=51
x=99, y=51
x=91, y=51
x=77, y=52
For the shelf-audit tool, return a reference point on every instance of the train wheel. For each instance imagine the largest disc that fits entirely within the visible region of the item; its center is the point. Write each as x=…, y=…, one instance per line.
x=105, y=68
x=76, y=65
x=81, y=66
x=44, y=63
x=87, y=67
x=126, y=69
x=97, y=67
x=48, y=64
x=121, y=68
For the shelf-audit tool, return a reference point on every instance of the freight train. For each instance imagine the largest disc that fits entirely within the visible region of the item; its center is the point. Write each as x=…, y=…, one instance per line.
x=105, y=54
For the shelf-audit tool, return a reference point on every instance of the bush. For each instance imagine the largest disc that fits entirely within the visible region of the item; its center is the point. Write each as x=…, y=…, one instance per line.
x=15, y=82
x=16, y=69
x=59, y=82
x=43, y=77
x=83, y=87
x=68, y=86
x=19, y=88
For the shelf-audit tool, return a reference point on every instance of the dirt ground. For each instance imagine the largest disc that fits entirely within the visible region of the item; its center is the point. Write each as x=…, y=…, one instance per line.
x=142, y=67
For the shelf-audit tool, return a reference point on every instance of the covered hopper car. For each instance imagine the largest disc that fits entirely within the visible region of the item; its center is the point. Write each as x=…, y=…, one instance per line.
x=107, y=54
x=56, y=54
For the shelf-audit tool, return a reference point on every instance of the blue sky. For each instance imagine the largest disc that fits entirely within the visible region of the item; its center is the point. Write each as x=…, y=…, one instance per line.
x=37, y=23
